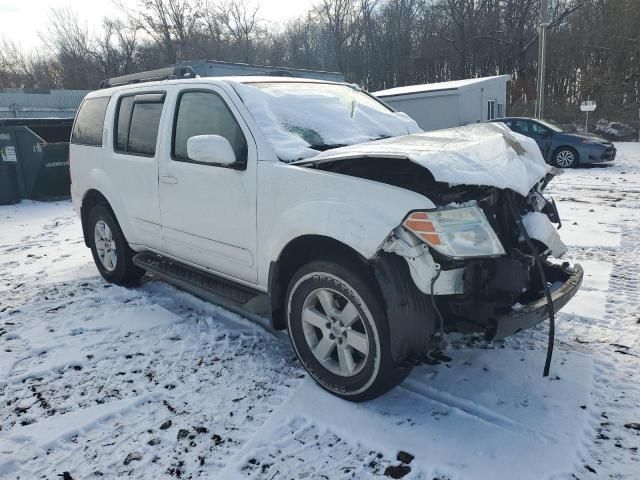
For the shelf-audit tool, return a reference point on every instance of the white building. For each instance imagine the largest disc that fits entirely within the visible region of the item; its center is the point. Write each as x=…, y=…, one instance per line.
x=450, y=104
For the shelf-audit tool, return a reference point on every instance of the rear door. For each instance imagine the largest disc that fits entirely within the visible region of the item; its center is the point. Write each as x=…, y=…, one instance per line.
x=135, y=162
x=209, y=210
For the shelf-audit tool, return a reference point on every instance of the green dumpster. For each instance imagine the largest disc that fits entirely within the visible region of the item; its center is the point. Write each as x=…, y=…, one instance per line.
x=9, y=192
x=40, y=150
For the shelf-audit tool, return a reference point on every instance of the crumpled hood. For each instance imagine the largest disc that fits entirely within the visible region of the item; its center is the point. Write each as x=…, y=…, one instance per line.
x=487, y=154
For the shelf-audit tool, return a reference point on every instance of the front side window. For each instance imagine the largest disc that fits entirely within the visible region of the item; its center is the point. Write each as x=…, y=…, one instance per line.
x=538, y=129
x=521, y=126
x=137, y=123
x=206, y=113
x=87, y=129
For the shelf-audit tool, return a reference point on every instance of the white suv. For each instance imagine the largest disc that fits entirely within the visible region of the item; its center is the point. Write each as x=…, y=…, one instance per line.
x=316, y=206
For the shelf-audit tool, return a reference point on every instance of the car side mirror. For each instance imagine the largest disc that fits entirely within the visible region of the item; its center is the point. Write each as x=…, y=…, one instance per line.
x=212, y=149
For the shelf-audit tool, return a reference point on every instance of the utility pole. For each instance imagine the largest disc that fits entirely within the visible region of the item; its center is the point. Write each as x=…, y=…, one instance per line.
x=542, y=55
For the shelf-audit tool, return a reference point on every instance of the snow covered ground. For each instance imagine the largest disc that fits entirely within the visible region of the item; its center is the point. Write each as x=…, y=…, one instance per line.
x=101, y=381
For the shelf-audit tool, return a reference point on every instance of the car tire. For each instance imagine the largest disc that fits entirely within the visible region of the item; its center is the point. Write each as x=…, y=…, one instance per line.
x=351, y=359
x=111, y=252
x=565, y=157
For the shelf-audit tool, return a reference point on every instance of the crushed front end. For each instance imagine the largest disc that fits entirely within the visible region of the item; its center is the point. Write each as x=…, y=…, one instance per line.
x=485, y=255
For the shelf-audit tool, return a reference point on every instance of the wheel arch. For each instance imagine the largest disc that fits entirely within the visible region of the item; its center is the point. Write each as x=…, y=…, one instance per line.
x=298, y=252
x=92, y=198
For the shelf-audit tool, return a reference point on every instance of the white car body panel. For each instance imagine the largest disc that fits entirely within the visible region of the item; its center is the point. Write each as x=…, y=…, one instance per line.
x=296, y=201
x=237, y=222
x=484, y=154
x=540, y=228
x=208, y=211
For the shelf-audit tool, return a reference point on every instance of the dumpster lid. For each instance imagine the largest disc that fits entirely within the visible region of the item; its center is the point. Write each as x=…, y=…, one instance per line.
x=36, y=122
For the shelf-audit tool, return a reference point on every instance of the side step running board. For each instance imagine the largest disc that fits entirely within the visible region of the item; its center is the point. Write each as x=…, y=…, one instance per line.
x=237, y=298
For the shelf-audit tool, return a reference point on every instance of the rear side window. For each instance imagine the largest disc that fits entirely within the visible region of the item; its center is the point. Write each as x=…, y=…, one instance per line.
x=124, y=117
x=90, y=121
x=205, y=113
x=137, y=122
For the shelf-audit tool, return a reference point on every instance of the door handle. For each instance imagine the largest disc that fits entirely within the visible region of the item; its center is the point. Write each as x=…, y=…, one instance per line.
x=169, y=179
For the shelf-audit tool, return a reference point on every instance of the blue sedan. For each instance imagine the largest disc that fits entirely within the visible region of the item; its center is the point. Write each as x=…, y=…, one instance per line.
x=559, y=148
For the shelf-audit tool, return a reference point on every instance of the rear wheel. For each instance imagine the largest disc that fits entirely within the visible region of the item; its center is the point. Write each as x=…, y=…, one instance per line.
x=339, y=331
x=111, y=252
x=565, y=157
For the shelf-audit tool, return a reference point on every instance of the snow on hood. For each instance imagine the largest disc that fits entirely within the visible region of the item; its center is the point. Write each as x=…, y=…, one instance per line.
x=486, y=154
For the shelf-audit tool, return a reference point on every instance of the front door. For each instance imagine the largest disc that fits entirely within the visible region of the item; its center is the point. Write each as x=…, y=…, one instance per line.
x=208, y=210
x=542, y=136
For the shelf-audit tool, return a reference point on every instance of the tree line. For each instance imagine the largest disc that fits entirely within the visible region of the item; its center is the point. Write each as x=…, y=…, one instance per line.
x=593, y=46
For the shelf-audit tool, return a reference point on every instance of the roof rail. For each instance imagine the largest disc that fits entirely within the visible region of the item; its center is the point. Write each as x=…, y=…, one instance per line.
x=169, y=73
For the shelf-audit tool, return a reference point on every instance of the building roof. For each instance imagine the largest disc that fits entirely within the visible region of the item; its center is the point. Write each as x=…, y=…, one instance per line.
x=24, y=103
x=438, y=87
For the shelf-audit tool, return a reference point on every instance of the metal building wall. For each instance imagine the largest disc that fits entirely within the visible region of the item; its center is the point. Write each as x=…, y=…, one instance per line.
x=18, y=103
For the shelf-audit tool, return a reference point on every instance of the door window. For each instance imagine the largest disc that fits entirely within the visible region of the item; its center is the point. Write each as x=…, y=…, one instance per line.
x=538, y=129
x=90, y=121
x=521, y=126
x=137, y=123
x=206, y=113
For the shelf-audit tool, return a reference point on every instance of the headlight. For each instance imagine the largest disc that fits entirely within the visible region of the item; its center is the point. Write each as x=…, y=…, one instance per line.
x=459, y=232
x=592, y=142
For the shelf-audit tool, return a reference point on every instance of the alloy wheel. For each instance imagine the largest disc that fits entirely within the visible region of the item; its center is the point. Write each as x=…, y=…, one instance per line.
x=105, y=246
x=565, y=158
x=335, y=332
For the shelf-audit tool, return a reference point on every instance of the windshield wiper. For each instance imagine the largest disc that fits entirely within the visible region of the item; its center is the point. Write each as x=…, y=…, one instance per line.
x=323, y=147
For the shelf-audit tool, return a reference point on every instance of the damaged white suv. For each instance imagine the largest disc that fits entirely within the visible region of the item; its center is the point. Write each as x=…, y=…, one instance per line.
x=316, y=206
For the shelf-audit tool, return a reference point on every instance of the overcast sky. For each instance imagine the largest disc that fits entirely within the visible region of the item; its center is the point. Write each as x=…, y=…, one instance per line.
x=21, y=20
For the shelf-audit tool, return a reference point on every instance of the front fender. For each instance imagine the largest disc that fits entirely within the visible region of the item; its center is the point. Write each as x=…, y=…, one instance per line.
x=364, y=231
x=358, y=213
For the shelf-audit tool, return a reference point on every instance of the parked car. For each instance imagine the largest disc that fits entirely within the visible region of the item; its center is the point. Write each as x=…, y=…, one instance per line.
x=316, y=206
x=560, y=148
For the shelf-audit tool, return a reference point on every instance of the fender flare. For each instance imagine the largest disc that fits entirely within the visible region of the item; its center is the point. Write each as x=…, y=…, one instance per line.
x=410, y=313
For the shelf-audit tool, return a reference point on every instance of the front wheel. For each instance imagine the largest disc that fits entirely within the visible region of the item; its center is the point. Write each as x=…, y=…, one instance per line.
x=111, y=252
x=339, y=331
x=565, y=158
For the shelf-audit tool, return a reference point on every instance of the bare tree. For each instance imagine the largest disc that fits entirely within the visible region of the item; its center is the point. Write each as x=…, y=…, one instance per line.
x=240, y=21
x=172, y=24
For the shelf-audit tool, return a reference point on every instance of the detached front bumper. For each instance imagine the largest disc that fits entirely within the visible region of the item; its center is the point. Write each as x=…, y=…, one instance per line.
x=566, y=282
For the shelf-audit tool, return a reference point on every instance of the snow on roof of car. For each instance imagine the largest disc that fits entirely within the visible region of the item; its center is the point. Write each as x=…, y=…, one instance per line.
x=436, y=87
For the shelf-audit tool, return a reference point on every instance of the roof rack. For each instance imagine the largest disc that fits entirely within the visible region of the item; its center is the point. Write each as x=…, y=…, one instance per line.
x=169, y=73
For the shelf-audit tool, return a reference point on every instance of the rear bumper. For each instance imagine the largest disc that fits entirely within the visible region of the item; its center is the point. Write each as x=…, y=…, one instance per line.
x=535, y=312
